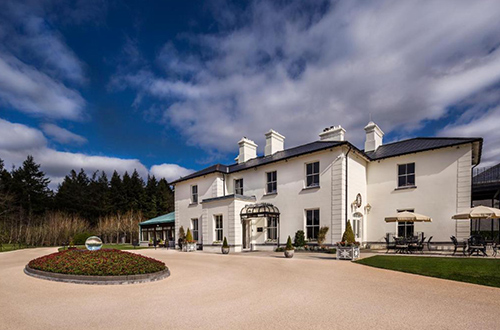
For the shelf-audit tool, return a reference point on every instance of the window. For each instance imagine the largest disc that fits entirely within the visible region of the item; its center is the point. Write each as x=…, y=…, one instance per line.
x=194, y=194
x=238, y=187
x=406, y=229
x=312, y=224
x=272, y=228
x=194, y=227
x=312, y=174
x=272, y=187
x=218, y=228
x=356, y=227
x=406, y=175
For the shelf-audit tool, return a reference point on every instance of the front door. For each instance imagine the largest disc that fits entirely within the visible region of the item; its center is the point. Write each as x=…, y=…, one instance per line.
x=246, y=234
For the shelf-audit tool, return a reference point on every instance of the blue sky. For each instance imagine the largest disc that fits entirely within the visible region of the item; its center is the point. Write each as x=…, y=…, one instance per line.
x=168, y=87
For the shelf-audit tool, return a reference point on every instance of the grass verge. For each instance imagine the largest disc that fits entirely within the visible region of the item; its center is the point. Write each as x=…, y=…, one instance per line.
x=112, y=246
x=477, y=271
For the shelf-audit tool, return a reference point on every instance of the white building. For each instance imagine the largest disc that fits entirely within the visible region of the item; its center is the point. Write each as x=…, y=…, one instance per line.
x=326, y=183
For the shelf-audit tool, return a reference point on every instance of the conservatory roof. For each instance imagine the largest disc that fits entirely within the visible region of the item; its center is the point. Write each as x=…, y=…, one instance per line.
x=166, y=218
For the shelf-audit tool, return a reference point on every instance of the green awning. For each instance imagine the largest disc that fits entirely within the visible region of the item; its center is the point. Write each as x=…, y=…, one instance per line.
x=166, y=218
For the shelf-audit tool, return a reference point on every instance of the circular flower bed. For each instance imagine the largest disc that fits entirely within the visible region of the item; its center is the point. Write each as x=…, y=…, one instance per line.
x=105, y=262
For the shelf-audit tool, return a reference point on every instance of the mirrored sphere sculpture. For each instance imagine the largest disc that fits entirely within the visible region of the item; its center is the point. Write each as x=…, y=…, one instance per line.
x=93, y=243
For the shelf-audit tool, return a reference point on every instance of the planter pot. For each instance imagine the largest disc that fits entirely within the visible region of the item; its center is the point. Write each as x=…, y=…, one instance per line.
x=347, y=252
x=225, y=250
x=289, y=253
x=189, y=247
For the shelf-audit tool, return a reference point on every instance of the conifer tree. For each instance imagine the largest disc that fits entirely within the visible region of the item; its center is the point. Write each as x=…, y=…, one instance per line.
x=31, y=187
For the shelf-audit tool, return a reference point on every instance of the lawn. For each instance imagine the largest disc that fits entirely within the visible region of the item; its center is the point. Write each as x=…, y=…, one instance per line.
x=11, y=247
x=113, y=246
x=471, y=270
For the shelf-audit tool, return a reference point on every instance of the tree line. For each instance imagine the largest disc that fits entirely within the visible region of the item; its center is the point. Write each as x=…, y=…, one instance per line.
x=31, y=213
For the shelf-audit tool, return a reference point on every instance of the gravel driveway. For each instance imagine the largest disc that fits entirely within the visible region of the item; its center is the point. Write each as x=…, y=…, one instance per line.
x=252, y=291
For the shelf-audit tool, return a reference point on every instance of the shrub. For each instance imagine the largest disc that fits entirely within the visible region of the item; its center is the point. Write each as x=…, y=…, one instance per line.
x=80, y=238
x=189, y=236
x=224, y=244
x=322, y=235
x=348, y=236
x=289, y=245
x=300, y=238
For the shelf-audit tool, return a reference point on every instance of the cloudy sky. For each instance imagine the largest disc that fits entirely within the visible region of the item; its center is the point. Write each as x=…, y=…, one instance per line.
x=170, y=87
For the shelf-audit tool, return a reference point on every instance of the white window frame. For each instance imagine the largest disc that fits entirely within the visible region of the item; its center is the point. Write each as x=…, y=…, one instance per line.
x=313, y=174
x=406, y=175
x=406, y=223
x=218, y=230
x=196, y=231
x=275, y=182
x=236, y=188
x=312, y=225
x=194, y=196
x=272, y=229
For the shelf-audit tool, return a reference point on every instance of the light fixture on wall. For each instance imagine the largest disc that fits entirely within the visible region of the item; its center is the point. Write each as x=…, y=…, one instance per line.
x=368, y=207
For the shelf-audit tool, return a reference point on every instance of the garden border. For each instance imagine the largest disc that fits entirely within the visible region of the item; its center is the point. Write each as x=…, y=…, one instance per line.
x=97, y=280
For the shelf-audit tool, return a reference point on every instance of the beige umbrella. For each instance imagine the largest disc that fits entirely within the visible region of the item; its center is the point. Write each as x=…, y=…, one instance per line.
x=479, y=212
x=408, y=217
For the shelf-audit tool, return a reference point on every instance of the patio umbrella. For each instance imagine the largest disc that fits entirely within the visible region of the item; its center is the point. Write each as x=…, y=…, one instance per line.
x=408, y=217
x=479, y=212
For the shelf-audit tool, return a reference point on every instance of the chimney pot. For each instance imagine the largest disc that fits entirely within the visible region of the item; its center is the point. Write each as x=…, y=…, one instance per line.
x=334, y=133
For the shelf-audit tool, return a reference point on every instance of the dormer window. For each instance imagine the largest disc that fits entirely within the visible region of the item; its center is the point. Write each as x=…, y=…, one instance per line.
x=406, y=175
x=194, y=194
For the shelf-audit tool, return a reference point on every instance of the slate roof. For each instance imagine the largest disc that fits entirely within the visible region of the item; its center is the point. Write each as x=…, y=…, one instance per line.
x=384, y=151
x=416, y=145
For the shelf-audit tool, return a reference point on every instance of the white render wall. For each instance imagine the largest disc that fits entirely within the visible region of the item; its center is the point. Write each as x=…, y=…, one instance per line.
x=443, y=180
x=291, y=199
x=437, y=180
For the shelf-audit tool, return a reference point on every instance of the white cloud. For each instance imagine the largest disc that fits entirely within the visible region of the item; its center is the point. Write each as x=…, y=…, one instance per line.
x=37, y=66
x=299, y=67
x=15, y=137
x=29, y=90
x=170, y=172
x=482, y=124
x=17, y=141
x=62, y=135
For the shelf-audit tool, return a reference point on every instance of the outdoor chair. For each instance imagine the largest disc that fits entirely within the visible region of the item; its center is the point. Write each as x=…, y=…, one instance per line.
x=457, y=245
x=389, y=245
x=420, y=245
x=477, y=244
x=429, y=243
x=401, y=245
x=495, y=250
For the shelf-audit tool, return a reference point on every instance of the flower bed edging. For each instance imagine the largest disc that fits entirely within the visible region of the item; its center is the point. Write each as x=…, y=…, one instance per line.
x=99, y=280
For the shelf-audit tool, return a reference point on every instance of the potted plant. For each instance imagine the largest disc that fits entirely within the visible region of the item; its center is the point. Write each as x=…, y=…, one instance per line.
x=348, y=248
x=189, y=244
x=289, y=250
x=322, y=236
x=225, y=246
x=182, y=237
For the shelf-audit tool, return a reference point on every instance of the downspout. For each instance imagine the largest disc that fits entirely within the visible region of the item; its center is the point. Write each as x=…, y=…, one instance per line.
x=346, y=182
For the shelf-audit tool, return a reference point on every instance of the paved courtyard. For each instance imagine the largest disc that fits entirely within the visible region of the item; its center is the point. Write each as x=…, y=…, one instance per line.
x=252, y=291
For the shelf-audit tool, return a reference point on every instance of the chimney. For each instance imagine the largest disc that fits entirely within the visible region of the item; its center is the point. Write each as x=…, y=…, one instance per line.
x=274, y=142
x=332, y=133
x=248, y=150
x=374, y=136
